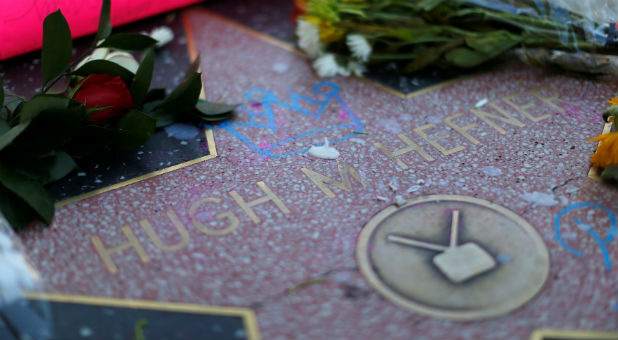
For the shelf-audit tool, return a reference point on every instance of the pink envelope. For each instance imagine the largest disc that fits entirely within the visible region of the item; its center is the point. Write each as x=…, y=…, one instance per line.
x=21, y=22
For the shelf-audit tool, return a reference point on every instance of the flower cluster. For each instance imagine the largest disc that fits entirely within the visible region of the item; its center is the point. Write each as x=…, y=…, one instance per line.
x=105, y=101
x=316, y=32
x=345, y=36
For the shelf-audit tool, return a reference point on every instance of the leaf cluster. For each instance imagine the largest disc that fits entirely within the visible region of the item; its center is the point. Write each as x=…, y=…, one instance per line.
x=456, y=34
x=41, y=137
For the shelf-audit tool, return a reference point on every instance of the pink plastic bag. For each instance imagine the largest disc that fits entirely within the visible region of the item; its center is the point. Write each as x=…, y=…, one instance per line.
x=21, y=21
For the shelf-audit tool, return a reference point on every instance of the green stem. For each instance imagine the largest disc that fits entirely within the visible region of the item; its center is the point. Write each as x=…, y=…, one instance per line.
x=67, y=68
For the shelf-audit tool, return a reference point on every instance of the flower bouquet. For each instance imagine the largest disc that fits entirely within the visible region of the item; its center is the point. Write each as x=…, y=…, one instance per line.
x=100, y=100
x=344, y=36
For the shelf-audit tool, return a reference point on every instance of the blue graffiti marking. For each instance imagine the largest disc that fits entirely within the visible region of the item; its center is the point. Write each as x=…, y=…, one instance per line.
x=601, y=242
x=329, y=92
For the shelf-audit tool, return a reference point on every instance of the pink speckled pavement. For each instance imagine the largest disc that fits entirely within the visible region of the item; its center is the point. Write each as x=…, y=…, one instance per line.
x=200, y=235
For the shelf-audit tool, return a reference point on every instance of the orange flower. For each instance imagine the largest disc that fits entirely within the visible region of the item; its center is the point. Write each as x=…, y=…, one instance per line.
x=607, y=152
x=614, y=101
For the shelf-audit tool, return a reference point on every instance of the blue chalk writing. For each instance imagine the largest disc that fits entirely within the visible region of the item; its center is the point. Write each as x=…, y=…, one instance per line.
x=601, y=242
x=329, y=92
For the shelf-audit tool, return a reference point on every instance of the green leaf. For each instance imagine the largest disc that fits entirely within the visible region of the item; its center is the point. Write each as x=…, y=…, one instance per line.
x=155, y=94
x=32, y=192
x=10, y=135
x=612, y=111
x=429, y=55
x=163, y=118
x=28, y=165
x=465, y=57
x=493, y=43
x=1, y=94
x=128, y=41
x=610, y=173
x=88, y=139
x=184, y=97
x=211, y=109
x=428, y=5
x=34, y=106
x=60, y=165
x=15, y=210
x=4, y=127
x=57, y=46
x=212, y=118
x=52, y=128
x=105, y=67
x=105, y=24
x=132, y=130
x=143, y=77
x=193, y=68
x=60, y=87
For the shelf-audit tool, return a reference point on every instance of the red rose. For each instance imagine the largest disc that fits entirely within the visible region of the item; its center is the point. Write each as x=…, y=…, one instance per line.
x=103, y=90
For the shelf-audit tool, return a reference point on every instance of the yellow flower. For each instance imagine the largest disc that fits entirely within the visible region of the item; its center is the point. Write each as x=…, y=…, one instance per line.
x=607, y=152
x=328, y=32
x=614, y=101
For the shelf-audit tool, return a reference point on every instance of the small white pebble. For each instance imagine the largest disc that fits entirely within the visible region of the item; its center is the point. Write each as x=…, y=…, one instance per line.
x=382, y=198
x=420, y=182
x=413, y=188
x=280, y=67
x=399, y=200
x=85, y=331
x=81, y=174
x=481, y=103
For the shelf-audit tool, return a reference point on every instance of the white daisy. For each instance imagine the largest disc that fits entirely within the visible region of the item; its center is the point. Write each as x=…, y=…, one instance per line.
x=356, y=68
x=327, y=66
x=309, y=38
x=359, y=46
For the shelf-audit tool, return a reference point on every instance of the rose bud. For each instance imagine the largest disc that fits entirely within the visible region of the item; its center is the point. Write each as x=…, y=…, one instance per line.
x=104, y=91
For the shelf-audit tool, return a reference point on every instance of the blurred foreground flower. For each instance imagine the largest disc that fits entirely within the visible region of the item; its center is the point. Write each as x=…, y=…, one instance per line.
x=121, y=58
x=607, y=152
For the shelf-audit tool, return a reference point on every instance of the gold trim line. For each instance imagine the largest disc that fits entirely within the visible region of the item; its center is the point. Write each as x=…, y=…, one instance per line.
x=210, y=140
x=248, y=315
x=541, y=334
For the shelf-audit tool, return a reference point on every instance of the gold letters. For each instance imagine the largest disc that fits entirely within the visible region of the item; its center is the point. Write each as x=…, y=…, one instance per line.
x=463, y=130
x=233, y=220
x=548, y=100
x=505, y=117
x=270, y=196
x=524, y=109
x=229, y=222
x=421, y=132
x=345, y=171
x=411, y=147
x=182, y=231
x=105, y=253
